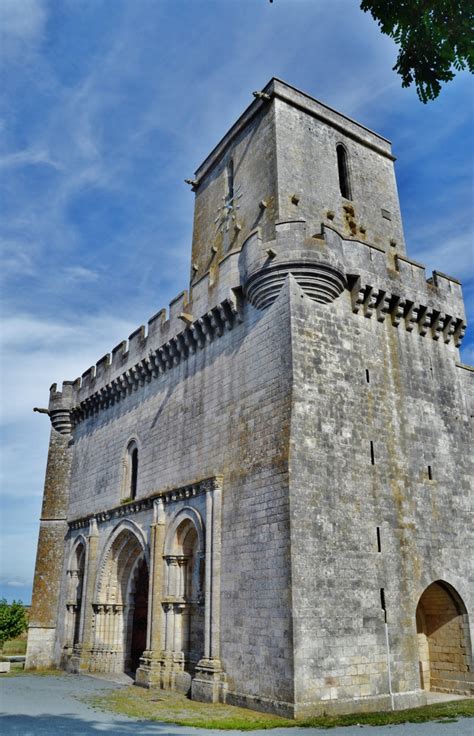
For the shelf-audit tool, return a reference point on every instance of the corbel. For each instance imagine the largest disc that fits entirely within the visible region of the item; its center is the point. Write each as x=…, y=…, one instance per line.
x=397, y=310
x=383, y=306
x=424, y=320
x=436, y=325
x=370, y=301
x=448, y=329
x=459, y=333
x=411, y=315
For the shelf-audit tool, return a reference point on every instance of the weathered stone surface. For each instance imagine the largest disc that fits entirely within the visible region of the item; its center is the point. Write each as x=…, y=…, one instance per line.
x=303, y=466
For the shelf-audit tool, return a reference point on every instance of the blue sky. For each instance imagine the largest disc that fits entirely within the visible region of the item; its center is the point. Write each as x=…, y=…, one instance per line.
x=107, y=106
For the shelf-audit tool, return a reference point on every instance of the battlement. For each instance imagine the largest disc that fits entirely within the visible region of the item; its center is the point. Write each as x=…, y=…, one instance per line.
x=133, y=362
x=324, y=263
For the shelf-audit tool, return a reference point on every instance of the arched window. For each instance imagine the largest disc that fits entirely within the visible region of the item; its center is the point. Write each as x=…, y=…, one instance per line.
x=130, y=475
x=343, y=171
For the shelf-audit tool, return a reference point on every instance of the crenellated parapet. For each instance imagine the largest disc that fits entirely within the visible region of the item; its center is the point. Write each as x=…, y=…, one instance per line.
x=325, y=264
x=425, y=320
x=144, y=357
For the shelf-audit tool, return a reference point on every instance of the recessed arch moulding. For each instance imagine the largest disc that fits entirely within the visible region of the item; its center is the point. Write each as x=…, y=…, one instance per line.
x=168, y=554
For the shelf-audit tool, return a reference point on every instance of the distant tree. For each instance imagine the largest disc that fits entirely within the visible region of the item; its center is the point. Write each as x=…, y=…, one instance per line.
x=12, y=620
x=436, y=39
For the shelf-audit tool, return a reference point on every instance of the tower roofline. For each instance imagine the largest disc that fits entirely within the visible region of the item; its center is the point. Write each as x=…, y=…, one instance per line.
x=278, y=89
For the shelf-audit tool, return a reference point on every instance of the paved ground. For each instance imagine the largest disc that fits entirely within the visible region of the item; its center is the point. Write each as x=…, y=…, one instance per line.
x=51, y=706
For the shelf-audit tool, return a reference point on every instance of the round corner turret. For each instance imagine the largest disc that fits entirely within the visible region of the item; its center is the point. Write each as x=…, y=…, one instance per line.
x=315, y=266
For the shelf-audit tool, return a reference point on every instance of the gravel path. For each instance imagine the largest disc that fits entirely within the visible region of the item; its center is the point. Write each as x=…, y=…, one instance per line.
x=51, y=706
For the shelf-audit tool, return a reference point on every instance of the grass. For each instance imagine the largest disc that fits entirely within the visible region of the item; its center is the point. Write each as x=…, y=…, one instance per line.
x=171, y=707
x=16, y=670
x=14, y=646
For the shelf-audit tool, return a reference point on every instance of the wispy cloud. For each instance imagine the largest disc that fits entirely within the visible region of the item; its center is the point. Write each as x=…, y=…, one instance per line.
x=21, y=158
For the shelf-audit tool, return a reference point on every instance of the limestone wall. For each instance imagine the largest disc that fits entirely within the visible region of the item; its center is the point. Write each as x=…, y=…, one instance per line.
x=225, y=411
x=379, y=488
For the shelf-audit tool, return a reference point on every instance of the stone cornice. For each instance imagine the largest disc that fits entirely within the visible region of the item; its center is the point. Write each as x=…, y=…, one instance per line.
x=144, y=504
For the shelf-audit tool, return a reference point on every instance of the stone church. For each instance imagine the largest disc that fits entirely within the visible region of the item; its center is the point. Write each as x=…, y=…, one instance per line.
x=262, y=496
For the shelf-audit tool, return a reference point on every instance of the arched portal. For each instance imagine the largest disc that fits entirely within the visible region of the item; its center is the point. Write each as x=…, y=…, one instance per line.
x=75, y=577
x=445, y=657
x=184, y=594
x=120, y=611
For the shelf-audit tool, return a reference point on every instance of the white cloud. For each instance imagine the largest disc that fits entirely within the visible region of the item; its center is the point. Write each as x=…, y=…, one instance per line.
x=37, y=353
x=22, y=18
x=450, y=253
x=27, y=157
x=80, y=273
x=14, y=582
x=16, y=258
x=22, y=25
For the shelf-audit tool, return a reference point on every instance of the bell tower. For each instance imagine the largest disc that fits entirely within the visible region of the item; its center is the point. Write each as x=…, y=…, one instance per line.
x=291, y=159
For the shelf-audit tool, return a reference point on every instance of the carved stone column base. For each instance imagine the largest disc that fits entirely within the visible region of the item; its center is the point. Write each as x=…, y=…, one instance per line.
x=149, y=673
x=209, y=684
x=164, y=670
x=79, y=660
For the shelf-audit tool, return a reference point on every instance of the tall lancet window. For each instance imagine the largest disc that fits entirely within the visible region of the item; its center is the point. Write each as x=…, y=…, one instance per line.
x=230, y=181
x=343, y=170
x=130, y=474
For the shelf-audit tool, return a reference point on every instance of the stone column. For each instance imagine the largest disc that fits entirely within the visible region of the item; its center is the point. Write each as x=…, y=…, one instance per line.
x=209, y=684
x=149, y=672
x=43, y=650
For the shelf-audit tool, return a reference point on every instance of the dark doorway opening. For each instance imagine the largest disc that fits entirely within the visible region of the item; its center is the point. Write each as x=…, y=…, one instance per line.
x=140, y=616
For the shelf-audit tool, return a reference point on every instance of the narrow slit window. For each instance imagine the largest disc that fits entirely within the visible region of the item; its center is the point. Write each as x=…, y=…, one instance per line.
x=430, y=473
x=367, y=375
x=372, y=453
x=379, y=541
x=382, y=603
x=343, y=170
x=134, y=472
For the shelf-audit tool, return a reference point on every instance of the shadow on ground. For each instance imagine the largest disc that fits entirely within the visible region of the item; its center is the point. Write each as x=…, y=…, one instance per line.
x=72, y=725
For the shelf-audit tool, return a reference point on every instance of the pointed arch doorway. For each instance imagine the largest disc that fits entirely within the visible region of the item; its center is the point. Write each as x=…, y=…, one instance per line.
x=120, y=611
x=444, y=646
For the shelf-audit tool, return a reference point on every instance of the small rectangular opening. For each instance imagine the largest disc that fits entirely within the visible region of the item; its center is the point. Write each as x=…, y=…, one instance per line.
x=372, y=454
x=430, y=473
x=379, y=541
x=367, y=375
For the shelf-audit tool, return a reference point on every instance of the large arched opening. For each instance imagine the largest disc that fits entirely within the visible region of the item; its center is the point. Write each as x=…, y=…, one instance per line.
x=120, y=611
x=444, y=646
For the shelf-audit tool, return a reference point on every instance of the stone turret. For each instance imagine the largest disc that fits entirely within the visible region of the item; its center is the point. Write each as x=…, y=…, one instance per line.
x=42, y=639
